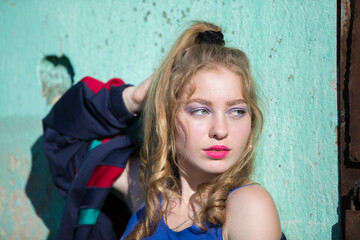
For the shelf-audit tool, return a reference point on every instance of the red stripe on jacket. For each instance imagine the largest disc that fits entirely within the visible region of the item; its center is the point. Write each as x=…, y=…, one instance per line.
x=96, y=85
x=104, y=176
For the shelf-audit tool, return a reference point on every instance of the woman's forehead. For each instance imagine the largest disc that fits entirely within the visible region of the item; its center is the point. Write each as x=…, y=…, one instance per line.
x=215, y=83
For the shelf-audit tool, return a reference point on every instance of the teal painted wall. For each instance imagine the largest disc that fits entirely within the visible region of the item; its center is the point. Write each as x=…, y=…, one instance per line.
x=291, y=45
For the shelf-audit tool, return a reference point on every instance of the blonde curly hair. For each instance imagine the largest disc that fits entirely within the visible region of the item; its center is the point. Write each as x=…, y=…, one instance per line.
x=171, y=87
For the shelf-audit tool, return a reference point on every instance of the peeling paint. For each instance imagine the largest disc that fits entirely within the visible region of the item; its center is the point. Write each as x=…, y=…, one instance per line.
x=333, y=84
x=183, y=14
x=20, y=209
x=2, y=198
x=18, y=165
x=56, y=76
x=146, y=16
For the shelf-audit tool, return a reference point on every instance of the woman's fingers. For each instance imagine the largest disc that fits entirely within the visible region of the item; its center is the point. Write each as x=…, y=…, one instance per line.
x=134, y=97
x=140, y=92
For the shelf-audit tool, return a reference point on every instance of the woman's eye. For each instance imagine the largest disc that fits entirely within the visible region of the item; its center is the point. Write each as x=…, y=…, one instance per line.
x=238, y=112
x=199, y=112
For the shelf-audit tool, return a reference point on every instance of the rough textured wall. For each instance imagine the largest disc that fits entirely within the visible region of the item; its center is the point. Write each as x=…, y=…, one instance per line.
x=291, y=45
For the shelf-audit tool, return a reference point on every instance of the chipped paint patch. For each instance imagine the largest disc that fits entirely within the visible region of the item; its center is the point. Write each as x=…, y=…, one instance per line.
x=18, y=220
x=23, y=218
x=333, y=84
x=56, y=76
x=2, y=198
x=18, y=165
x=147, y=16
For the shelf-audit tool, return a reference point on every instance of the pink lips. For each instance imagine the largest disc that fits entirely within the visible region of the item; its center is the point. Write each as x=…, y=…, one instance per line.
x=217, y=151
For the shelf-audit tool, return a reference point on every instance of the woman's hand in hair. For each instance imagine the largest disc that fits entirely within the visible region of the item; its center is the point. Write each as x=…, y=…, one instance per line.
x=134, y=97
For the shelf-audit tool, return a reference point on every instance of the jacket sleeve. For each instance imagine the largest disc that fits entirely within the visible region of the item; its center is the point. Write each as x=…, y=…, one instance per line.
x=88, y=114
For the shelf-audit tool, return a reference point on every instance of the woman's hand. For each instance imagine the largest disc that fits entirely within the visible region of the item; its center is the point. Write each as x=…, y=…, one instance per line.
x=134, y=97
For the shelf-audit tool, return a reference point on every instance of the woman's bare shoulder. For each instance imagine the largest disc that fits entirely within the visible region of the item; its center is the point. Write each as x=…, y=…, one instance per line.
x=251, y=214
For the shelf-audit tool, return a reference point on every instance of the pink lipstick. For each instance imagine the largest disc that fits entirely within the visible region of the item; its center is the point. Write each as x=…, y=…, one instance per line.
x=217, y=151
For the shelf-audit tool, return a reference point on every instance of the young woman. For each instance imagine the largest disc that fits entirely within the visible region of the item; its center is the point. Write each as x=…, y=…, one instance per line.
x=201, y=125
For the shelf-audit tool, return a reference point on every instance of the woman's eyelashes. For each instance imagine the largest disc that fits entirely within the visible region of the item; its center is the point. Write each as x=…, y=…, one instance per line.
x=236, y=112
x=200, y=111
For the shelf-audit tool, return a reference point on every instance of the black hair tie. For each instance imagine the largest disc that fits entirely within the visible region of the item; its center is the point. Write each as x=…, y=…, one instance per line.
x=210, y=37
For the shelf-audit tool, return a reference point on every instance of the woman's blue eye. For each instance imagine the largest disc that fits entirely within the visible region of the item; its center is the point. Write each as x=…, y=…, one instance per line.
x=237, y=112
x=199, y=111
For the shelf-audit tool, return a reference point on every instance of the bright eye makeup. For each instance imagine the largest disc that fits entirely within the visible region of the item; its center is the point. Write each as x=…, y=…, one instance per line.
x=197, y=110
x=237, y=112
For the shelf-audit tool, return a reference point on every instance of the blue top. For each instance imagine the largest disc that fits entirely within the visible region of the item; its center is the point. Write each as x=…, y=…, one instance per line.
x=162, y=231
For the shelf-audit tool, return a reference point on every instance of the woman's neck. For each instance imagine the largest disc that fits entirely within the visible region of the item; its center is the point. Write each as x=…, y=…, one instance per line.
x=180, y=210
x=190, y=182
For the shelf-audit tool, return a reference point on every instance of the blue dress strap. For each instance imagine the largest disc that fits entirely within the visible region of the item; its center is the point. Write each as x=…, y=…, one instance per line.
x=283, y=237
x=240, y=187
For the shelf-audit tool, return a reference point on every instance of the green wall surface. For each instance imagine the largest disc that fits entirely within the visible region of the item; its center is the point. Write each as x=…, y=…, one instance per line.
x=292, y=49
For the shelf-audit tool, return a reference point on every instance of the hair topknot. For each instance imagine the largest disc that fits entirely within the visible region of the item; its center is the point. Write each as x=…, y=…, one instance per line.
x=210, y=37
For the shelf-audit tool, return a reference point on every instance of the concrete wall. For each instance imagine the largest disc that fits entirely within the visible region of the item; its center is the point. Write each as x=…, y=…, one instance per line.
x=291, y=45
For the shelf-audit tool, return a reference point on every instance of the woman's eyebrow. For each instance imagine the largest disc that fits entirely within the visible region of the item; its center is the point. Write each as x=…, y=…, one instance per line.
x=201, y=101
x=228, y=103
x=235, y=102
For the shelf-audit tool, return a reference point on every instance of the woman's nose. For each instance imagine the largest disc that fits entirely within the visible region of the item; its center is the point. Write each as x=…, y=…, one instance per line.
x=218, y=129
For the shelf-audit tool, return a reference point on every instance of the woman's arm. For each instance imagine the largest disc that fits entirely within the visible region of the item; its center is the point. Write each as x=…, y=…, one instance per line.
x=127, y=185
x=89, y=114
x=91, y=109
x=87, y=143
x=251, y=214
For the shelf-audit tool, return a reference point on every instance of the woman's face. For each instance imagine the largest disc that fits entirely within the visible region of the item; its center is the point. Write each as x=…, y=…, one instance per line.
x=214, y=125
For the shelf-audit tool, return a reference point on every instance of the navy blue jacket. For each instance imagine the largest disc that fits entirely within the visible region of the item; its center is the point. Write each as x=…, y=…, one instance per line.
x=87, y=147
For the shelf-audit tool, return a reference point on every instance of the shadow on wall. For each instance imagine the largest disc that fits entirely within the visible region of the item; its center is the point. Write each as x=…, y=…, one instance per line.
x=42, y=192
x=56, y=75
